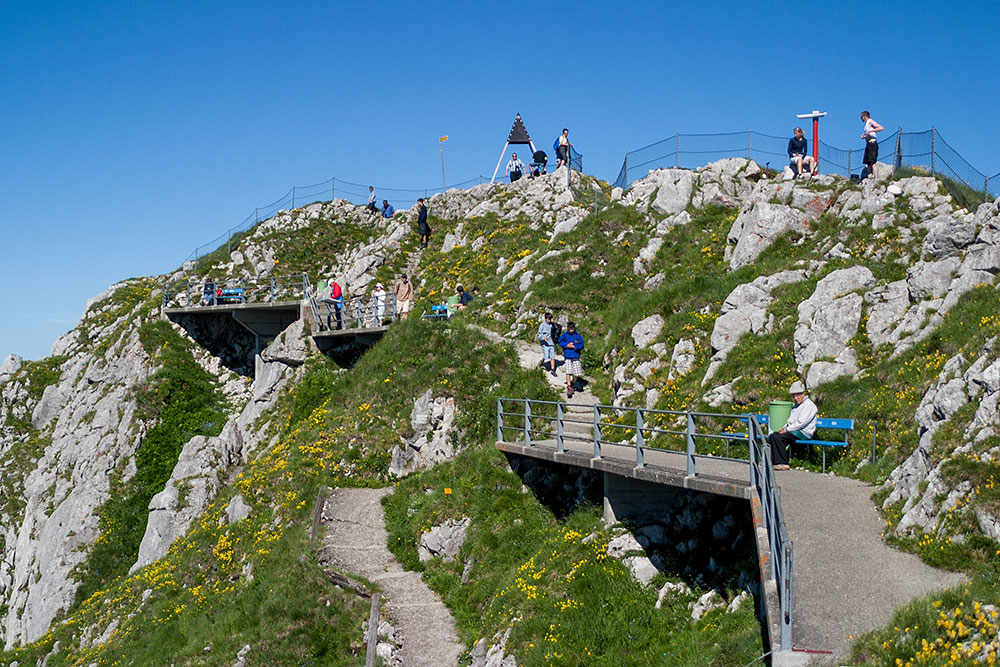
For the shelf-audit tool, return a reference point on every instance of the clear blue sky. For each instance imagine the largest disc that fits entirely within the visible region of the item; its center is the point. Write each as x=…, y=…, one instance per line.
x=134, y=131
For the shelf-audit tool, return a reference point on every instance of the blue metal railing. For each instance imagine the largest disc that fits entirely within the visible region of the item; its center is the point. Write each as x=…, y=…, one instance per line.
x=235, y=290
x=531, y=421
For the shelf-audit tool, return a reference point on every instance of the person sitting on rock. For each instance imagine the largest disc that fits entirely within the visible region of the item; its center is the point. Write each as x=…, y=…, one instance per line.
x=801, y=425
x=798, y=148
x=387, y=209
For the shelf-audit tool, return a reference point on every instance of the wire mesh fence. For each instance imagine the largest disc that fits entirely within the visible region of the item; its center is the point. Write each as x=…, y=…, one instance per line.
x=923, y=151
x=336, y=188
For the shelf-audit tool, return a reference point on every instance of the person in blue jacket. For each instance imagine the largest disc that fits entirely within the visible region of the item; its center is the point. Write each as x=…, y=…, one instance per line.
x=387, y=209
x=571, y=343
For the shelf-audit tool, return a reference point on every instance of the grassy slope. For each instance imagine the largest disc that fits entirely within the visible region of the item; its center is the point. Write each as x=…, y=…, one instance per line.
x=339, y=427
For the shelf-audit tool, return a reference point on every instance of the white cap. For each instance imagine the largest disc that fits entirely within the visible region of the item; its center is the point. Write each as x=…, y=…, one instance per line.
x=797, y=388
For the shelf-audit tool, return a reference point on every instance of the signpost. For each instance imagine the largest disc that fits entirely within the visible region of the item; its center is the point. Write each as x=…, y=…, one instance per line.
x=441, y=146
x=815, y=115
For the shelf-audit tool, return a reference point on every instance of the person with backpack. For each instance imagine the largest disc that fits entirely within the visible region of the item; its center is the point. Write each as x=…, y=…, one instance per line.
x=547, y=337
x=562, y=146
x=515, y=168
x=571, y=343
x=336, y=299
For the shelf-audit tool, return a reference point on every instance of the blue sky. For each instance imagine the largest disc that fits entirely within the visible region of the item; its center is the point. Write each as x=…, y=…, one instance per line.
x=133, y=132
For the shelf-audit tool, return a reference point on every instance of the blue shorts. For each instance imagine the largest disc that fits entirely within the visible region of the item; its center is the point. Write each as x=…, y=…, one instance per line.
x=548, y=352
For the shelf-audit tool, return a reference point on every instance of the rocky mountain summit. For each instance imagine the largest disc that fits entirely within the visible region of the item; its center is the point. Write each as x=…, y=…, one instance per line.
x=828, y=278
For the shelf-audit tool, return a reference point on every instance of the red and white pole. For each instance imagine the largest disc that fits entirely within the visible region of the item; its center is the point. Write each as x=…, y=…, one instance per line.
x=815, y=115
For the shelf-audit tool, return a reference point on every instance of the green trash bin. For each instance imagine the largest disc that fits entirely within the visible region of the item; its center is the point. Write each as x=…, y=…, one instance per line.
x=778, y=413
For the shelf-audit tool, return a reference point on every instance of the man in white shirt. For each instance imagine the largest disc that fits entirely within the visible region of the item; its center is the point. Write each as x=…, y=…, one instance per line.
x=801, y=425
x=371, y=199
x=871, y=143
x=515, y=168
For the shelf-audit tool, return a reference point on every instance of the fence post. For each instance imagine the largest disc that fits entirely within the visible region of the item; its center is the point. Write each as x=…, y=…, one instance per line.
x=932, y=150
x=559, y=427
x=597, y=432
x=625, y=184
x=749, y=152
x=690, y=445
x=986, y=189
x=371, y=639
x=640, y=441
x=677, y=149
x=293, y=196
x=499, y=420
x=256, y=215
x=272, y=290
x=333, y=188
x=527, y=422
x=850, y=151
x=898, y=161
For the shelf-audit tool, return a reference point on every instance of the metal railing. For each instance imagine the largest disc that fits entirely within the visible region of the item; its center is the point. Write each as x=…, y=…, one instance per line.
x=228, y=291
x=532, y=421
x=925, y=151
x=359, y=312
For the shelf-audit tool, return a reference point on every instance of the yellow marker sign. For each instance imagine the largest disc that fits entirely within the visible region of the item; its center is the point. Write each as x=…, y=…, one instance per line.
x=444, y=138
x=447, y=491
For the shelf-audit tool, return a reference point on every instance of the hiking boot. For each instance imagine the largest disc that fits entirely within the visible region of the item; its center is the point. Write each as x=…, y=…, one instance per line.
x=569, y=392
x=782, y=466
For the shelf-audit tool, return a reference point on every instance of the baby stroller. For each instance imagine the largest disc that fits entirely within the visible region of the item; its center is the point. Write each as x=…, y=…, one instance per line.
x=538, y=161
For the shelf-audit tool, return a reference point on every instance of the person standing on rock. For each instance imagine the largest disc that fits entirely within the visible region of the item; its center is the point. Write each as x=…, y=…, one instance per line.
x=798, y=149
x=562, y=150
x=422, y=227
x=545, y=338
x=403, y=291
x=801, y=425
x=371, y=199
x=571, y=343
x=871, y=143
x=515, y=168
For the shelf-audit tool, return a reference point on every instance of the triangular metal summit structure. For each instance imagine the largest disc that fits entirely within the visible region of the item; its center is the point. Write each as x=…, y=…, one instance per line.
x=518, y=136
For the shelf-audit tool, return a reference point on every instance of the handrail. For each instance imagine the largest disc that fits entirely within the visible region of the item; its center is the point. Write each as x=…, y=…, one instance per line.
x=761, y=474
x=270, y=289
x=359, y=312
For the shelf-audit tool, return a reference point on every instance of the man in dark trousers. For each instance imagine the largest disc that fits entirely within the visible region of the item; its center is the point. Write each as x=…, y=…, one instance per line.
x=801, y=425
x=422, y=227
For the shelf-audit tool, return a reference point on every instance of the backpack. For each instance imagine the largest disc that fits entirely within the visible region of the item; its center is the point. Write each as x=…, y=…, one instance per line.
x=555, y=144
x=335, y=291
x=556, y=332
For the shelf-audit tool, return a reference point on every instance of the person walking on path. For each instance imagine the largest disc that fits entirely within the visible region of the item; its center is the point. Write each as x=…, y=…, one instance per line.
x=403, y=290
x=546, y=331
x=422, y=227
x=801, y=425
x=562, y=151
x=798, y=153
x=387, y=209
x=572, y=344
x=515, y=168
x=371, y=199
x=871, y=143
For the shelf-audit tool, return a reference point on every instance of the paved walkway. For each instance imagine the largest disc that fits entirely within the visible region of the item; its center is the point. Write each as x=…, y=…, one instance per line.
x=848, y=581
x=355, y=542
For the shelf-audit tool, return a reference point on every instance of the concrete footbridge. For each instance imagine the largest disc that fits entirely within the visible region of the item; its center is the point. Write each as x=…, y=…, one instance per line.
x=219, y=312
x=839, y=581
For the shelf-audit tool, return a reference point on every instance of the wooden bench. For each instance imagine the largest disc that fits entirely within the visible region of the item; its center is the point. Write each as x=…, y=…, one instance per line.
x=822, y=423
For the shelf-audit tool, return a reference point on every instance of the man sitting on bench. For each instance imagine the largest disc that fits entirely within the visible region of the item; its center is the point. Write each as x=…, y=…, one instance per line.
x=801, y=425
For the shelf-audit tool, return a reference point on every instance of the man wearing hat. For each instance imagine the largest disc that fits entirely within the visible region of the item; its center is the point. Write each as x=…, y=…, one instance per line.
x=801, y=425
x=378, y=296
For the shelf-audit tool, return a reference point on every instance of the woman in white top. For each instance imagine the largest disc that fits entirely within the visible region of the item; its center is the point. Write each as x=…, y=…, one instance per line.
x=378, y=296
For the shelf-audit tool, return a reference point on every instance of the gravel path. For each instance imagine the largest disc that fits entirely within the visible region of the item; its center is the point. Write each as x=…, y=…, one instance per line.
x=847, y=579
x=355, y=542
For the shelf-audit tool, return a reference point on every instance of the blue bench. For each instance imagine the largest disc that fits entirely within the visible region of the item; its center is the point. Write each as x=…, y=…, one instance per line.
x=229, y=295
x=822, y=423
x=437, y=313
